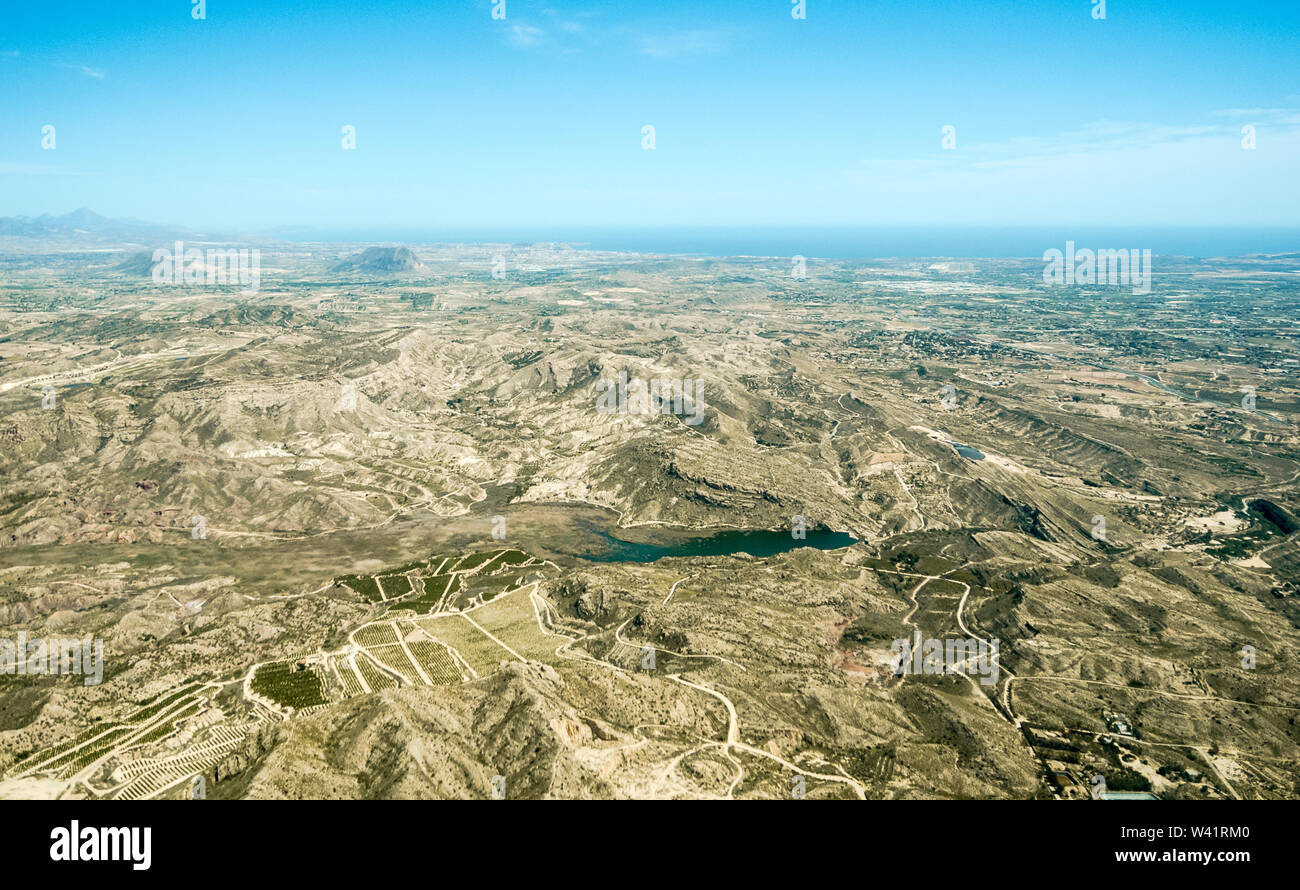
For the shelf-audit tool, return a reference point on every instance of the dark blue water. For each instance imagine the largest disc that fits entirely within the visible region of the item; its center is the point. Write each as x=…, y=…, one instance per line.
x=755, y=542
x=967, y=451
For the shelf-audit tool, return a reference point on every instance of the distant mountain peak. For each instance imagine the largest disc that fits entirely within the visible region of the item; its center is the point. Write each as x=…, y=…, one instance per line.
x=83, y=215
x=382, y=259
x=85, y=224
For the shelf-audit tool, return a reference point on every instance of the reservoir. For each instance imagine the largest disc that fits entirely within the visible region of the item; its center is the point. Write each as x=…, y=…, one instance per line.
x=967, y=451
x=755, y=542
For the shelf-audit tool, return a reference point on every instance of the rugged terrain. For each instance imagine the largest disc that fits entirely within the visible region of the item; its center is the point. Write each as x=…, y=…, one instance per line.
x=211, y=481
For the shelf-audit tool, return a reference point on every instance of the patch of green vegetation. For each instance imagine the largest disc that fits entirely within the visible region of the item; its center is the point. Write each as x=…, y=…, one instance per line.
x=69, y=762
x=283, y=685
x=1125, y=779
x=168, y=726
x=20, y=702
x=436, y=661
x=11, y=501
x=514, y=557
x=476, y=560
x=489, y=586
x=364, y=585
x=160, y=702
x=1242, y=545
x=395, y=585
x=375, y=678
x=876, y=627
x=434, y=589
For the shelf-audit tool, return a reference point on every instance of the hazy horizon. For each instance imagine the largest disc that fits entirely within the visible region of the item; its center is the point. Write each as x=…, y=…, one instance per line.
x=844, y=242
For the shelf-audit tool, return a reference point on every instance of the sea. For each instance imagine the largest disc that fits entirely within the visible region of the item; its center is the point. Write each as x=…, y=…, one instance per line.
x=841, y=242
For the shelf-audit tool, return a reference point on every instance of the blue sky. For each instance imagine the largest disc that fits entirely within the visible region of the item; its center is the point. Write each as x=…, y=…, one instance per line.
x=536, y=120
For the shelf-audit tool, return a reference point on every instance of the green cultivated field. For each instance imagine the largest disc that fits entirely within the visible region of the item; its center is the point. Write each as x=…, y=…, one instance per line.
x=364, y=585
x=279, y=682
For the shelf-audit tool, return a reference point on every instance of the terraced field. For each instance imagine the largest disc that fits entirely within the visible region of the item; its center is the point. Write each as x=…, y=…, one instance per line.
x=372, y=676
x=395, y=658
x=147, y=724
x=149, y=775
x=480, y=653
x=376, y=635
x=427, y=641
x=282, y=684
x=436, y=661
x=512, y=620
x=364, y=585
x=343, y=669
x=427, y=586
x=436, y=589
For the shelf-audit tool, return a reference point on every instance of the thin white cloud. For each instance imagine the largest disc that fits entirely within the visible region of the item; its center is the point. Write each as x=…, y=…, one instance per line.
x=1100, y=135
x=11, y=168
x=526, y=35
x=88, y=71
x=674, y=44
x=1097, y=137
x=1268, y=116
x=567, y=34
x=1105, y=170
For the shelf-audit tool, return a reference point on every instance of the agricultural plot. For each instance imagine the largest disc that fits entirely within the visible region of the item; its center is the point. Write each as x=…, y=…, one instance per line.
x=487, y=560
x=376, y=635
x=374, y=677
x=163, y=700
x=437, y=662
x=149, y=775
x=442, y=649
x=74, y=761
x=168, y=726
x=479, y=652
x=347, y=676
x=436, y=588
x=431, y=586
x=297, y=689
x=394, y=657
x=387, y=654
x=487, y=587
x=516, y=558
x=471, y=562
x=512, y=621
x=148, y=723
x=395, y=586
x=440, y=585
x=387, y=648
x=625, y=655
x=364, y=585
